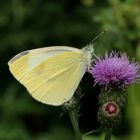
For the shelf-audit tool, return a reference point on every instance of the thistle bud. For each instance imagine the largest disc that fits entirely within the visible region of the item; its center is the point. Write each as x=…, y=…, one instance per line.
x=119, y=96
x=109, y=115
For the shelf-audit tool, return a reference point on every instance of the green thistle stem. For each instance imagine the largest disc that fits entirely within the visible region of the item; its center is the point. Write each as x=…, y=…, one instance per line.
x=74, y=121
x=108, y=135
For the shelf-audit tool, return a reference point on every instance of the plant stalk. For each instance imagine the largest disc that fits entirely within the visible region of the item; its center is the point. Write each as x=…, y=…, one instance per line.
x=108, y=135
x=74, y=120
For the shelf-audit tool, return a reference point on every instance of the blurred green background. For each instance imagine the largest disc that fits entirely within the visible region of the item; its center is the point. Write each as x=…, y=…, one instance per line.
x=28, y=24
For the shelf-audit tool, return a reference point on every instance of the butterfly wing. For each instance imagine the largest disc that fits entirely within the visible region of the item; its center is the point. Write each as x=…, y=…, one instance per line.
x=51, y=74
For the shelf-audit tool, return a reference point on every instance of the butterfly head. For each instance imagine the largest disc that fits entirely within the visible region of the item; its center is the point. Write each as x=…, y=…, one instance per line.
x=88, y=52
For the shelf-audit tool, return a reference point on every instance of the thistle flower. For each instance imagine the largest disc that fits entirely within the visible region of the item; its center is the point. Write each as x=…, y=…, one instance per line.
x=115, y=69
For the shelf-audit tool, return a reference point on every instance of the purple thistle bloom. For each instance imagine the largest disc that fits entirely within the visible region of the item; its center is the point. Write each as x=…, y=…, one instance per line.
x=114, y=69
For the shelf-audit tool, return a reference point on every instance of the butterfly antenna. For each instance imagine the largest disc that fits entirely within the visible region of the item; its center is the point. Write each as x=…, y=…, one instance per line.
x=99, y=35
x=92, y=43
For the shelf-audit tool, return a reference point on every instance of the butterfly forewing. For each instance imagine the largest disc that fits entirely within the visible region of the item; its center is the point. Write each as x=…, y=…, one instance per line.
x=50, y=75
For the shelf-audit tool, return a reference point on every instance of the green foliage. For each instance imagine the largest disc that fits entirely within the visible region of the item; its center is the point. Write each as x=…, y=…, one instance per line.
x=33, y=24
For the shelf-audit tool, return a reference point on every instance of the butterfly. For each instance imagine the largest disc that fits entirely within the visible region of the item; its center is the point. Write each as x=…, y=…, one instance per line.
x=51, y=74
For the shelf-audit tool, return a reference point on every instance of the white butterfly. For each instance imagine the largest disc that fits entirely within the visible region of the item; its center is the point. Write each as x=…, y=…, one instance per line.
x=51, y=74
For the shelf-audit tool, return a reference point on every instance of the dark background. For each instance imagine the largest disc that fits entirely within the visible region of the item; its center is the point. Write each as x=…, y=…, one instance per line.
x=28, y=24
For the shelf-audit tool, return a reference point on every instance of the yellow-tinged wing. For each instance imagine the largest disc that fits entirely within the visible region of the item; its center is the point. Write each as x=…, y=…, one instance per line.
x=51, y=74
